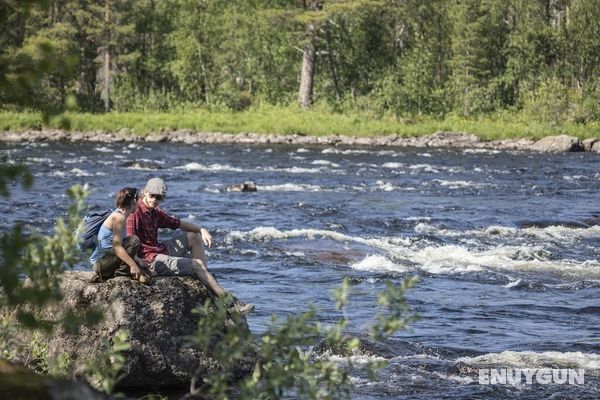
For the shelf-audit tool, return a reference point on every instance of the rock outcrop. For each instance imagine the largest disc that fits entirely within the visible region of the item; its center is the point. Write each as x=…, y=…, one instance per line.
x=159, y=319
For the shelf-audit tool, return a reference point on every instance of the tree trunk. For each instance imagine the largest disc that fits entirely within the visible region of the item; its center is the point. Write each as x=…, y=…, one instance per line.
x=204, y=81
x=308, y=69
x=55, y=12
x=106, y=88
x=332, y=65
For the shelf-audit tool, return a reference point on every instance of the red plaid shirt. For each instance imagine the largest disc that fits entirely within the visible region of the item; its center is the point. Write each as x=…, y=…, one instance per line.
x=145, y=223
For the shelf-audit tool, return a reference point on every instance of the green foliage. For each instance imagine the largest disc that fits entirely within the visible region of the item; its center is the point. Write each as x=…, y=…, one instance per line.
x=10, y=173
x=153, y=397
x=550, y=101
x=60, y=366
x=402, y=58
x=105, y=371
x=8, y=349
x=394, y=314
x=40, y=259
x=227, y=346
x=324, y=119
x=583, y=44
x=286, y=366
x=32, y=353
x=127, y=98
x=38, y=350
x=479, y=41
x=39, y=67
x=531, y=47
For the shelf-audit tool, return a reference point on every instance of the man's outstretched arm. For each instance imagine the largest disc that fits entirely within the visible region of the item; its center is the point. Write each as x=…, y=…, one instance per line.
x=189, y=227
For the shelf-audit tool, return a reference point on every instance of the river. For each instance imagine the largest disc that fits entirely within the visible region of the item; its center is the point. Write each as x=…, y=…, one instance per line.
x=505, y=245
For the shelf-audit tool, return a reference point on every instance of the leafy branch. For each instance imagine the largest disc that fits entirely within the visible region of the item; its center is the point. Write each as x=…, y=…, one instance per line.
x=286, y=364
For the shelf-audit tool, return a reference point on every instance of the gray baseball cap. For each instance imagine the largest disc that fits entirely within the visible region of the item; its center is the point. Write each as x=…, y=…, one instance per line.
x=156, y=186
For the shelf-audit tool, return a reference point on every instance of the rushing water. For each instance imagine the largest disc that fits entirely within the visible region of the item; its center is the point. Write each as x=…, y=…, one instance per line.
x=505, y=245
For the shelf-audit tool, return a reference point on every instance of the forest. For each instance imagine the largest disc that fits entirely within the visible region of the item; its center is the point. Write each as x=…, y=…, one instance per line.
x=404, y=58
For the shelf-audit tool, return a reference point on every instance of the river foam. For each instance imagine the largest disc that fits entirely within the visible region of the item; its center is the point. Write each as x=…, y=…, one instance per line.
x=400, y=254
x=194, y=166
x=291, y=187
x=530, y=359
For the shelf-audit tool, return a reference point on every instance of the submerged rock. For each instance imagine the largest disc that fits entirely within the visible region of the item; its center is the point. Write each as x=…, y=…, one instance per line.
x=243, y=187
x=159, y=318
x=144, y=165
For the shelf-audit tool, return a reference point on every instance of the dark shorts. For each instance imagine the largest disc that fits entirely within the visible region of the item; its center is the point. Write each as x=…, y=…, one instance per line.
x=109, y=264
x=177, y=261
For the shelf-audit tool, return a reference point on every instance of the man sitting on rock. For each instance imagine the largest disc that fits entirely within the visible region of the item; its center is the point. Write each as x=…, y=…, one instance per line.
x=172, y=257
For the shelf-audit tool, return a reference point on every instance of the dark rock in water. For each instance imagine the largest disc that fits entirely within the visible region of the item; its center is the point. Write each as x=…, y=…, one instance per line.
x=19, y=382
x=159, y=318
x=557, y=144
x=243, y=187
x=141, y=165
x=461, y=368
x=548, y=223
x=592, y=220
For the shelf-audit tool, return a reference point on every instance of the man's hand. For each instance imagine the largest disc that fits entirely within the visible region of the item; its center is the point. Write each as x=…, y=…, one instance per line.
x=206, y=238
x=144, y=266
x=135, y=271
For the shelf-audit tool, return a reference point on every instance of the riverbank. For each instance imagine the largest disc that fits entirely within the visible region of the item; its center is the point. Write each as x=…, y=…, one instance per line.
x=560, y=143
x=288, y=126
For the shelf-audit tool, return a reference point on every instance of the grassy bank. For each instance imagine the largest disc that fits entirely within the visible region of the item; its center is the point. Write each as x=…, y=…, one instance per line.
x=289, y=121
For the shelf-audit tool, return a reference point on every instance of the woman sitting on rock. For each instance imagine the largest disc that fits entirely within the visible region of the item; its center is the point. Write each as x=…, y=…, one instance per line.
x=116, y=253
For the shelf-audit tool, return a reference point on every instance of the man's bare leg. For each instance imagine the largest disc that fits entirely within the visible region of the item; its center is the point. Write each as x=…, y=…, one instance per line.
x=201, y=270
x=201, y=265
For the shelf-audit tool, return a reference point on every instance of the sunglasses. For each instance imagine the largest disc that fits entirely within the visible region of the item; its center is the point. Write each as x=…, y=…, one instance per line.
x=157, y=197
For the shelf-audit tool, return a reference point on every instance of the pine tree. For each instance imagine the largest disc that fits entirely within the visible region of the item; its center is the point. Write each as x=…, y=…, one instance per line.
x=478, y=42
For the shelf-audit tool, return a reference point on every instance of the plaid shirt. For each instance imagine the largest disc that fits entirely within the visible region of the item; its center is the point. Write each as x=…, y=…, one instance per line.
x=145, y=223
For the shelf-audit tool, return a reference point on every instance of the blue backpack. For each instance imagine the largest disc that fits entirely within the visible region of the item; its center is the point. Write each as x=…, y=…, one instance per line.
x=87, y=233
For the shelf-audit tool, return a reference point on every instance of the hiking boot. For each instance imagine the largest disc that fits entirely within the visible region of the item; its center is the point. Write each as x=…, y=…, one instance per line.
x=242, y=308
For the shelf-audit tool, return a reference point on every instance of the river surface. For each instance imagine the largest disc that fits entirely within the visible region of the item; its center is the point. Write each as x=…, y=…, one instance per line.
x=505, y=245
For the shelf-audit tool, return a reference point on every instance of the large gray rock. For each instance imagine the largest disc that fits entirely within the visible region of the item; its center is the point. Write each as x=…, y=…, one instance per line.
x=558, y=144
x=595, y=147
x=158, y=317
x=589, y=143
